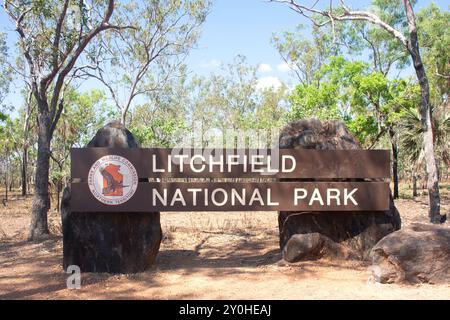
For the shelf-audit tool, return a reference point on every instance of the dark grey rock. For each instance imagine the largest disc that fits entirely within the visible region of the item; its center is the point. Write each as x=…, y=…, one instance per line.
x=125, y=242
x=329, y=234
x=419, y=253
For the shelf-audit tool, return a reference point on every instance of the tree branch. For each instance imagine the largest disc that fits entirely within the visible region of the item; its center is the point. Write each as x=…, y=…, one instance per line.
x=104, y=25
x=347, y=15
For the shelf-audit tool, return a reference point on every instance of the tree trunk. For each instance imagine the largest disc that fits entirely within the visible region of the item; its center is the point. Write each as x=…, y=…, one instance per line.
x=6, y=181
x=58, y=194
x=30, y=183
x=425, y=117
x=431, y=168
x=414, y=184
x=24, y=170
x=41, y=200
x=123, y=117
x=394, y=161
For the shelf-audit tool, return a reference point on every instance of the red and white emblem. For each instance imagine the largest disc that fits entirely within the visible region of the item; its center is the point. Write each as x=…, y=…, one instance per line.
x=113, y=180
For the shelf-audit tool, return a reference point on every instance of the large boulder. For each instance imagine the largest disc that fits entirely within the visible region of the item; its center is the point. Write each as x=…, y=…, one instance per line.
x=419, y=253
x=125, y=242
x=312, y=235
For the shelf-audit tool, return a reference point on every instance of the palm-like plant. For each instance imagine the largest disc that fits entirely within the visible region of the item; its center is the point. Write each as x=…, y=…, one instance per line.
x=411, y=133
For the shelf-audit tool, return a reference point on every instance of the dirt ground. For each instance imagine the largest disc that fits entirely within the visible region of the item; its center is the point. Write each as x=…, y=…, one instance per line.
x=203, y=256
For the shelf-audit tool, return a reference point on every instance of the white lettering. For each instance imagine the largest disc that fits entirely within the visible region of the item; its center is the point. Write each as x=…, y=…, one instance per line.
x=178, y=196
x=299, y=197
x=162, y=199
x=283, y=163
x=316, y=197
x=334, y=196
x=348, y=196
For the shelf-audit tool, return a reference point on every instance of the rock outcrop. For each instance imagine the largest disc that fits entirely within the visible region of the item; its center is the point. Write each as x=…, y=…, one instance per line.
x=312, y=235
x=419, y=253
x=125, y=242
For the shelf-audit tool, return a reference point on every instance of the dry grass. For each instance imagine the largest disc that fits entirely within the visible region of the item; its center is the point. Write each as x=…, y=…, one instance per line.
x=204, y=255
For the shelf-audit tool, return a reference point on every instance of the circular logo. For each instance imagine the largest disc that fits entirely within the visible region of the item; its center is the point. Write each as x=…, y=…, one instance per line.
x=113, y=180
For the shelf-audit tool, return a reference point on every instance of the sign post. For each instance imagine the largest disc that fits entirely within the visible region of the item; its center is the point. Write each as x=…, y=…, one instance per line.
x=117, y=180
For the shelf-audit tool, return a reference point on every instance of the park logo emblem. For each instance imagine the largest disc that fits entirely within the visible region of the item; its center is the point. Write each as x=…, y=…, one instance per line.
x=113, y=180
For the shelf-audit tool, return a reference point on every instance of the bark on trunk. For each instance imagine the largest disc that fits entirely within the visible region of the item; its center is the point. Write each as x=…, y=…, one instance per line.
x=430, y=161
x=58, y=195
x=414, y=184
x=394, y=162
x=24, y=171
x=41, y=200
x=6, y=182
x=123, y=117
x=425, y=117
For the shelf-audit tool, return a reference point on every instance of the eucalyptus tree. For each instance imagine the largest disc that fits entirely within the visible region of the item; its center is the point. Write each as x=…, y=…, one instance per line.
x=25, y=135
x=330, y=100
x=337, y=12
x=5, y=78
x=306, y=56
x=237, y=87
x=82, y=116
x=52, y=35
x=162, y=120
x=134, y=62
x=270, y=113
x=271, y=108
x=387, y=101
x=7, y=147
x=368, y=102
x=383, y=52
x=26, y=113
x=5, y=70
x=434, y=36
x=203, y=108
x=226, y=100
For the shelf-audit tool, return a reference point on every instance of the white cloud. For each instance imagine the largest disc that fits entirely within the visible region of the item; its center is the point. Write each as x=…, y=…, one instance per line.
x=264, y=68
x=283, y=67
x=268, y=82
x=211, y=64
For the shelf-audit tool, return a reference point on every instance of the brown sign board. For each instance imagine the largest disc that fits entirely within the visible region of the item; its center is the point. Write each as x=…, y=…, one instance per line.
x=241, y=163
x=116, y=180
x=217, y=196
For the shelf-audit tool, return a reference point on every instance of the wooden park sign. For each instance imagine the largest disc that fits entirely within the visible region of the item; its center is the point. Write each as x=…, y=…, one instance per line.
x=146, y=180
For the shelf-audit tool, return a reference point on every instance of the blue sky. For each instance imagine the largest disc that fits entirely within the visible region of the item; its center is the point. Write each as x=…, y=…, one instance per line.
x=246, y=27
x=241, y=27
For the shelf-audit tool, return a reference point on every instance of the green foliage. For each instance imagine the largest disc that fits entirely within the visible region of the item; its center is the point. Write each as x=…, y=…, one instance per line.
x=330, y=99
x=384, y=51
x=205, y=108
x=346, y=76
x=225, y=100
x=305, y=56
x=412, y=134
x=5, y=130
x=161, y=121
x=312, y=102
x=143, y=57
x=5, y=73
x=164, y=132
x=271, y=109
x=83, y=114
x=368, y=101
x=434, y=37
x=363, y=127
